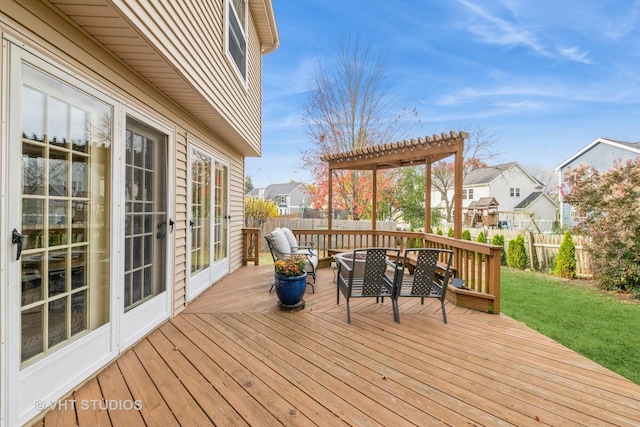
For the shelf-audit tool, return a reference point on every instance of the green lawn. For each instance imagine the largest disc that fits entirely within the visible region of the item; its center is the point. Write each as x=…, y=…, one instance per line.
x=596, y=324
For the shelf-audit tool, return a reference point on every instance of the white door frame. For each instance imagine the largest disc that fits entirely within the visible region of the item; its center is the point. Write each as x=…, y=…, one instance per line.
x=199, y=282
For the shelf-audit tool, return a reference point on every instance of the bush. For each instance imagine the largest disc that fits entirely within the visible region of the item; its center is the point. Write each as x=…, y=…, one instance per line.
x=450, y=232
x=498, y=240
x=481, y=238
x=466, y=235
x=439, y=231
x=566, y=261
x=517, y=253
x=609, y=203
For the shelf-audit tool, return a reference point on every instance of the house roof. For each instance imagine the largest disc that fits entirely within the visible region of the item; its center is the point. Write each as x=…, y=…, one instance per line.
x=633, y=147
x=483, y=202
x=486, y=175
x=531, y=198
x=274, y=190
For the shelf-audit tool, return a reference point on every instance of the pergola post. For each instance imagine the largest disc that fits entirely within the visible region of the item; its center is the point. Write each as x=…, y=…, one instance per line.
x=374, y=207
x=330, y=196
x=457, y=192
x=427, y=195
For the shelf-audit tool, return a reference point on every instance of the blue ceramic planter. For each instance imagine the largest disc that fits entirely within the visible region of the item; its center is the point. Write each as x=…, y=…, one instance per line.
x=290, y=290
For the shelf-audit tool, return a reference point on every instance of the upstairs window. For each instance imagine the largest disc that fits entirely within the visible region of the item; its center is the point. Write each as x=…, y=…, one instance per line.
x=237, y=35
x=467, y=194
x=514, y=192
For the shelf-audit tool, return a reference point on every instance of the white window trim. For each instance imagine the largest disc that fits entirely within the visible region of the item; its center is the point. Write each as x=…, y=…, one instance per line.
x=239, y=73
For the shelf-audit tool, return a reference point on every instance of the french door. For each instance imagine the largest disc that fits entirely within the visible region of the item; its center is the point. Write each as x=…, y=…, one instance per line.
x=57, y=304
x=208, y=225
x=86, y=207
x=147, y=227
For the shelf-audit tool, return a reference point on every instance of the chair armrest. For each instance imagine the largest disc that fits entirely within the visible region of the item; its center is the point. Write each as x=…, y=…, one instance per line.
x=342, y=264
x=306, y=244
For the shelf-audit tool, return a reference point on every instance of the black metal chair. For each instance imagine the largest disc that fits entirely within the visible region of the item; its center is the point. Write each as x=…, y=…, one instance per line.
x=431, y=272
x=376, y=280
x=281, y=246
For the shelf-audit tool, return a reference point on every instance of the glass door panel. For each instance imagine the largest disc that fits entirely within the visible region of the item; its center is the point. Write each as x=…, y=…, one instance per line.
x=146, y=226
x=200, y=212
x=208, y=223
x=65, y=155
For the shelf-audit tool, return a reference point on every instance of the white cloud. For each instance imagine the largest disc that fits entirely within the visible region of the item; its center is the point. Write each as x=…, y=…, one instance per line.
x=574, y=54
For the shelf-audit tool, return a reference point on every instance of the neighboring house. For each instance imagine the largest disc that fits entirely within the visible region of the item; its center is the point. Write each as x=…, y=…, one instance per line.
x=125, y=131
x=538, y=206
x=601, y=154
x=510, y=185
x=291, y=198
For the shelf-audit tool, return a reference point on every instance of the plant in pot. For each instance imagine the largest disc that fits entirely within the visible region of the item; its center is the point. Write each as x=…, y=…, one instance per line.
x=291, y=281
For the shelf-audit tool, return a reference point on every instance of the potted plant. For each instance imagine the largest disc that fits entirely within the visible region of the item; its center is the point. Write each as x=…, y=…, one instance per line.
x=291, y=281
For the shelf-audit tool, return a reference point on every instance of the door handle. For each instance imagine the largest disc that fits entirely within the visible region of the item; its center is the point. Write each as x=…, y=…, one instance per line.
x=191, y=224
x=17, y=238
x=171, y=224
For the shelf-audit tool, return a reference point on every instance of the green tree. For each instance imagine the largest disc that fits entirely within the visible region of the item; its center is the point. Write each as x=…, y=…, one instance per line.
x=566, y=261
x=248, y=185
x=466, y=235
x=410, y=195
x=450, y=232
x=498, y=240
x=481, y=238
x=608, y=204
x=517, y=253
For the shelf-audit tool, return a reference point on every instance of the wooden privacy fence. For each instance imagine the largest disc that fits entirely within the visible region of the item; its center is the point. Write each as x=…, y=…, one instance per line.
x=543, y=248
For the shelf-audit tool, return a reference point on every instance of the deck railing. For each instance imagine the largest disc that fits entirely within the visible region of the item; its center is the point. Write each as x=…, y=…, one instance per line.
x=478, y=264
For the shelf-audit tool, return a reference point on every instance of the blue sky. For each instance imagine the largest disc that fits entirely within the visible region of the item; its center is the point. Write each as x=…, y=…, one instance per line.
x=546, y=76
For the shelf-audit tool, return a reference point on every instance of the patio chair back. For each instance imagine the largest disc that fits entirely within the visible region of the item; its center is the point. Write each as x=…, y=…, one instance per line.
x=282, y=243
x=430, y=276
x=377, y=280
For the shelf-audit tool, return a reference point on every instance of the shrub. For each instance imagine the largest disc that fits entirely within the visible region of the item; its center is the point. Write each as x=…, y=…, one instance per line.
x=498, y=240
x=450, y=232
x=439, y=231
x=566, y=261
x=481, y=238
x=466, y=235
x=517, y=253
x=609, y=203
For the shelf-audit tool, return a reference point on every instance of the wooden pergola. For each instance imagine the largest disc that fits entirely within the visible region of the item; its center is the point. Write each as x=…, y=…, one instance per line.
x=401, y=154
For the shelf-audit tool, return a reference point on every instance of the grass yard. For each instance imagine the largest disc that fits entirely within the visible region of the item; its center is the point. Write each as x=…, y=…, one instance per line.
x=594, y=323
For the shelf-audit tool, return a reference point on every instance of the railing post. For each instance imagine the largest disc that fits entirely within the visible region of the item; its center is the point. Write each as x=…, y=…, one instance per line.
x=250, y=245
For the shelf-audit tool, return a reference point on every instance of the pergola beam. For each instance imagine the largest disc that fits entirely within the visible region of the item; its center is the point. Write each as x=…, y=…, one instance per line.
x=402, y=154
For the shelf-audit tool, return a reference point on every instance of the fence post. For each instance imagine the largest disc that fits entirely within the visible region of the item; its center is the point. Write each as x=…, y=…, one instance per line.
x=533, y=256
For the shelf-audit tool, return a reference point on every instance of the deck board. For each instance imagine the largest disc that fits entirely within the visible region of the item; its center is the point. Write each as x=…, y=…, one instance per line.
x=233, y=358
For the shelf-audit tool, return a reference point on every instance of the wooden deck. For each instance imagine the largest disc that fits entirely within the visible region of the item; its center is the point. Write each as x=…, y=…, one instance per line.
x=232, y=358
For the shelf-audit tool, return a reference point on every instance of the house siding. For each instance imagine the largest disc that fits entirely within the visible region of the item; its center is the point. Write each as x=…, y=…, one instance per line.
x=602, y=156
x=199, y=55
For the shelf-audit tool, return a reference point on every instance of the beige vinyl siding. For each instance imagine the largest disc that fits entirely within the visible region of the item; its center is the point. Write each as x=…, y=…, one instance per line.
x=180, y=226
x=67, y=46
x=198, y=54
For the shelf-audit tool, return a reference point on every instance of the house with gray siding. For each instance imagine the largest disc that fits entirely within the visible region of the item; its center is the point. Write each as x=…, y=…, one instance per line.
x=601, y=154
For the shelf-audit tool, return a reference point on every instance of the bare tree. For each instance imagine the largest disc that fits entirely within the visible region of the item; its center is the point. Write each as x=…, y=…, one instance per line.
x=348, y=108
x=548, y=178
x=478, y=150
